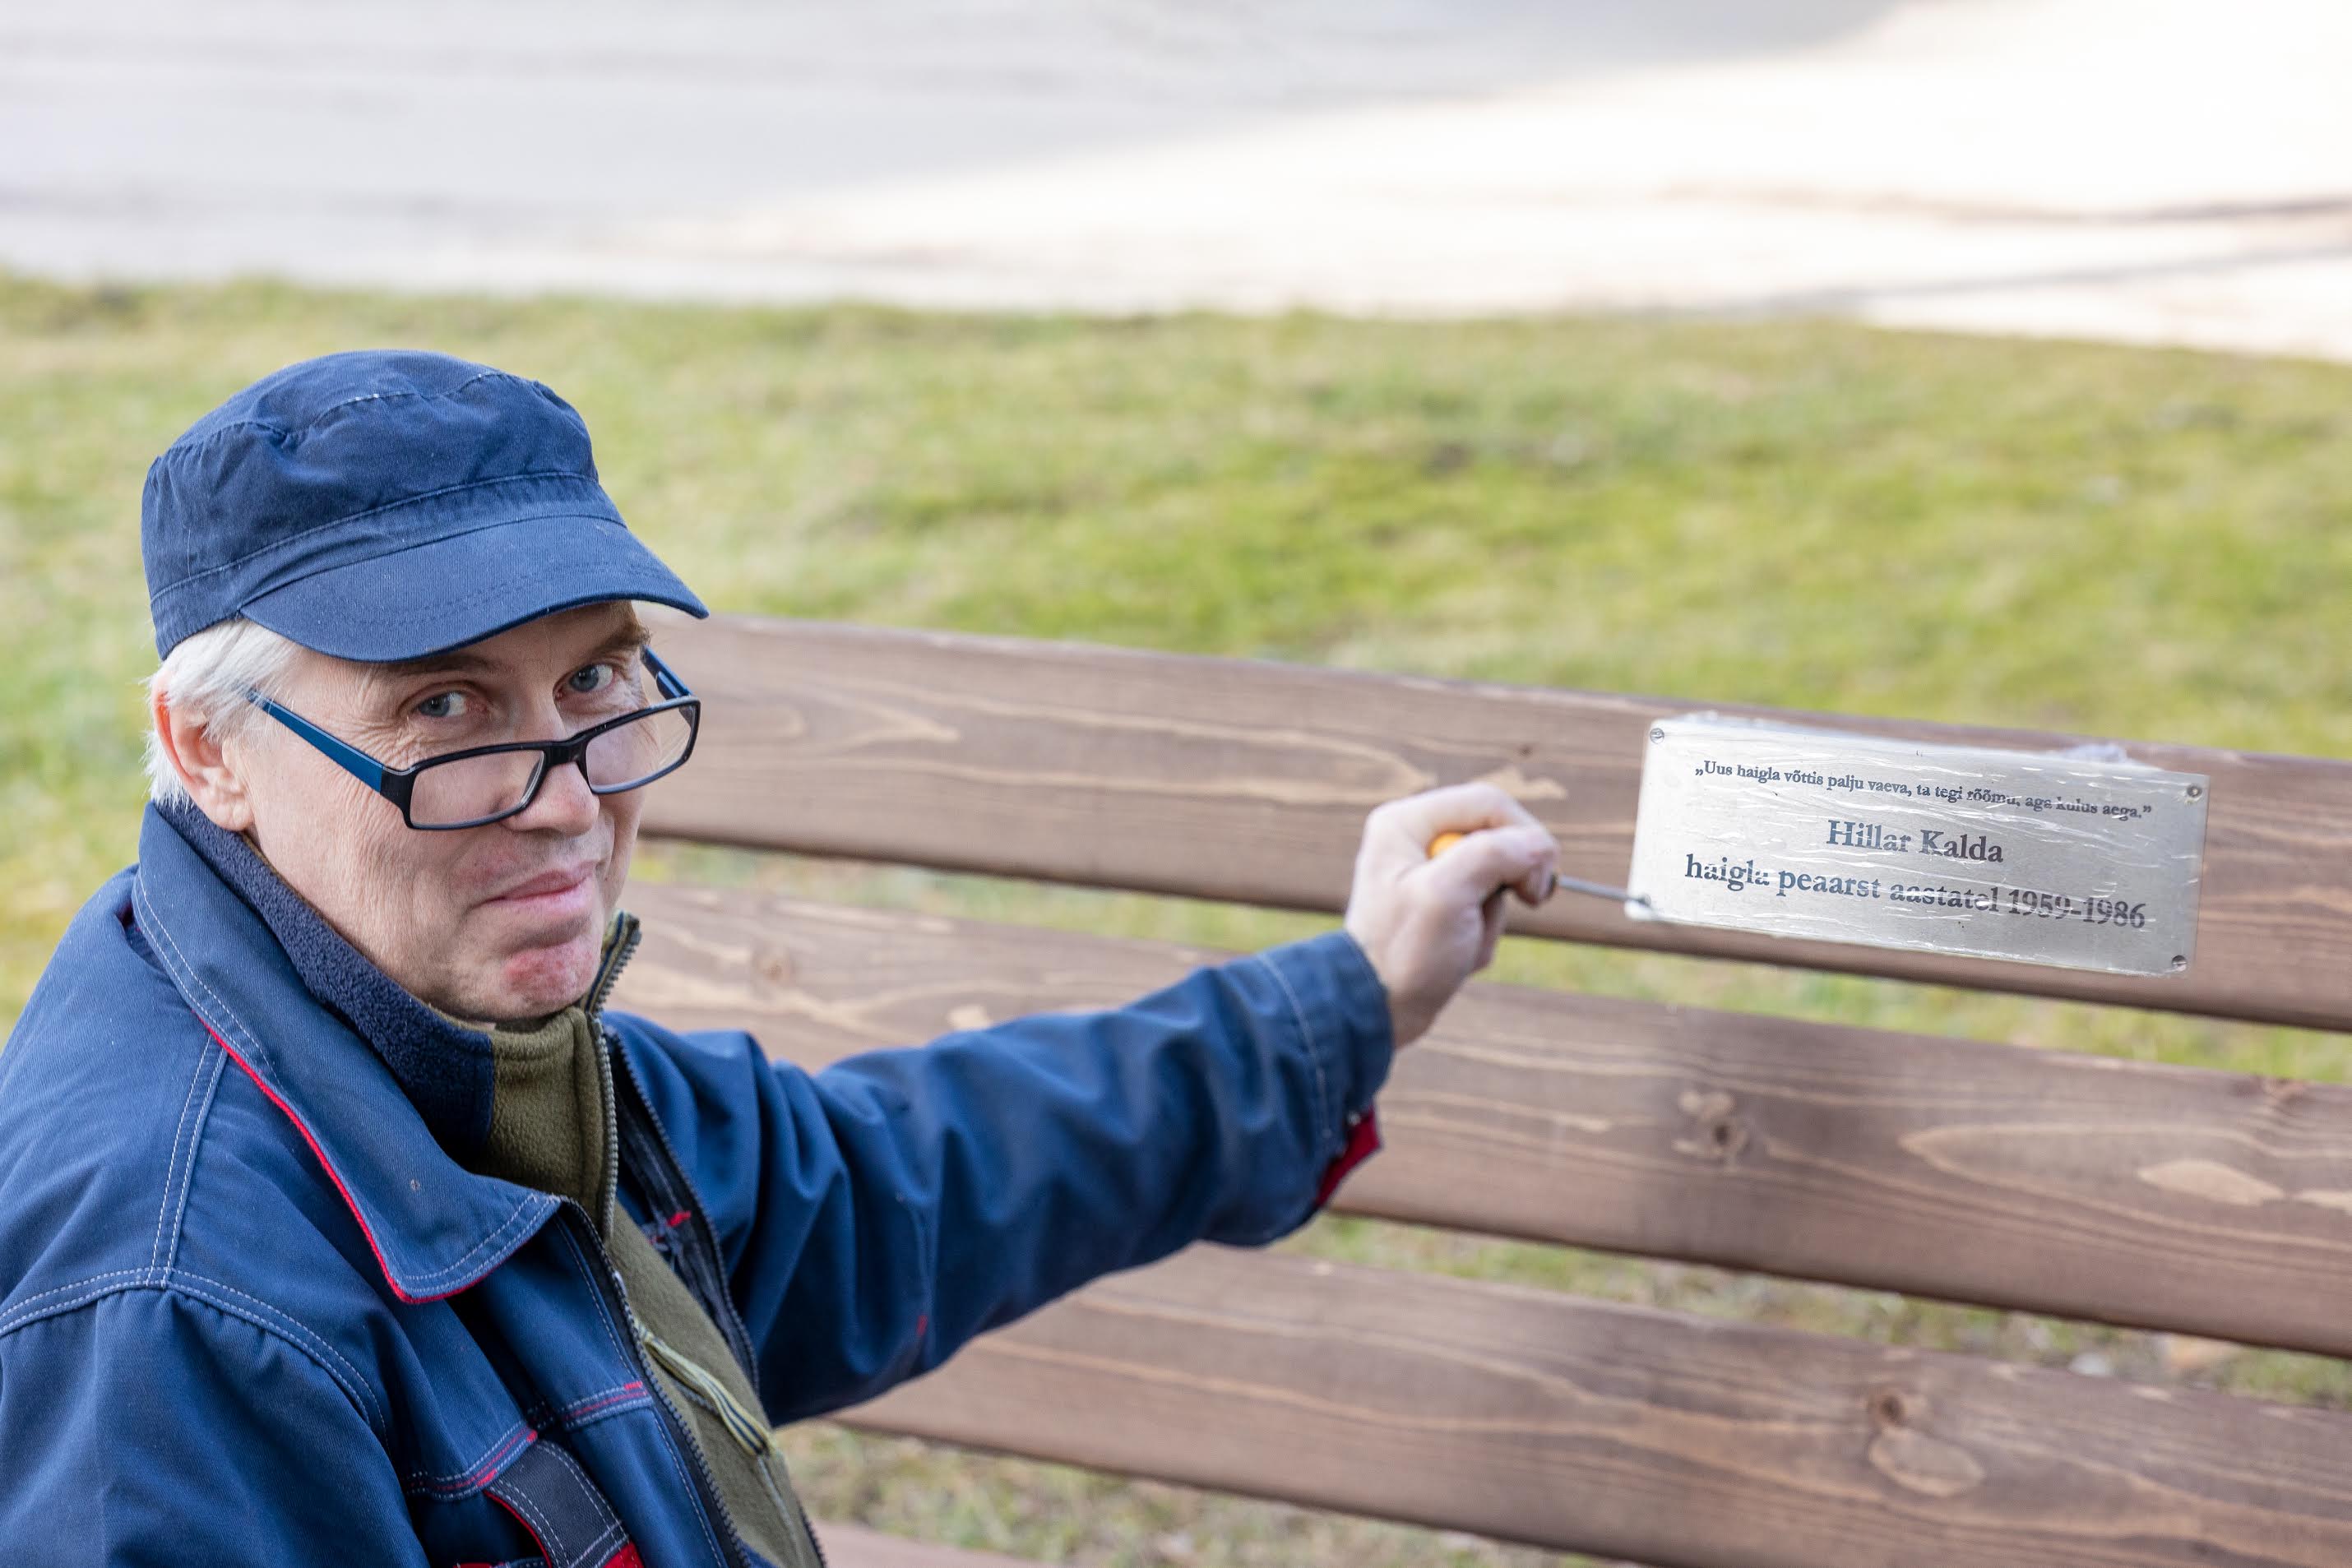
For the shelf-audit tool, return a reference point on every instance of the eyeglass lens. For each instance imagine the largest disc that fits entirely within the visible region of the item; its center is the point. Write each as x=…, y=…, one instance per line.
x=449, y=794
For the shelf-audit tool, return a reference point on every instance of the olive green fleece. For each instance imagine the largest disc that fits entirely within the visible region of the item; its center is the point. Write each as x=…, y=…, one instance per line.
x=755, y=1488
x=551, y=1128
x=550, y=1103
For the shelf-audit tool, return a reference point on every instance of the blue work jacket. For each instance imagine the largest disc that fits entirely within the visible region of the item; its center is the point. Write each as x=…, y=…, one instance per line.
x=254, y=1312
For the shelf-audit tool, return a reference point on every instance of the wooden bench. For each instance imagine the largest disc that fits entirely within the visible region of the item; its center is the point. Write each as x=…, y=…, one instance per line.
x=2212, y=1203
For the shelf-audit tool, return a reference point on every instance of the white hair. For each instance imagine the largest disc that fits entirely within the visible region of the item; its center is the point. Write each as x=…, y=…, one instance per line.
x=205, y=677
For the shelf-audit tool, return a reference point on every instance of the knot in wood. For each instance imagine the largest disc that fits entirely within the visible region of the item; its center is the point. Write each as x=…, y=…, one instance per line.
x=1913, y=1460
x=1720, y=1134
x=773, y=965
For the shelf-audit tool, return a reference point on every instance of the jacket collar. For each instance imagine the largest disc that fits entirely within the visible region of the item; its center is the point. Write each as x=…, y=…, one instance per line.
x=376, y=1081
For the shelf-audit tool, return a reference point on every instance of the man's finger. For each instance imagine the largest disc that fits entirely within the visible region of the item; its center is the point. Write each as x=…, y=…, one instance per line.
x=1397, y=835
x=1517, y=856
x=1490, y=930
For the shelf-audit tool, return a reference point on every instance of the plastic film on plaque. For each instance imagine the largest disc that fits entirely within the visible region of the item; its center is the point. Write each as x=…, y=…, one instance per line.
x=2081, y=860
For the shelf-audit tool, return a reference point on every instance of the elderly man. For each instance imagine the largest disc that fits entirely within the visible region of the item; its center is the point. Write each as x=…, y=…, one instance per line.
x=341, y=1221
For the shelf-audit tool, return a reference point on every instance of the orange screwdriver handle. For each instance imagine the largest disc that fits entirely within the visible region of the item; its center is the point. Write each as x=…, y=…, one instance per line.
x=1448, y=840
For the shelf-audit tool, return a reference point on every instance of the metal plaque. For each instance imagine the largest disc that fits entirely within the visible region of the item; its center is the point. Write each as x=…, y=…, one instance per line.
x=2079, y=861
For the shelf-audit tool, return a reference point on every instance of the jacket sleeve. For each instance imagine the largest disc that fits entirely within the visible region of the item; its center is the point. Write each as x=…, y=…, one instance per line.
x=877, y=1214
x=144, y=1429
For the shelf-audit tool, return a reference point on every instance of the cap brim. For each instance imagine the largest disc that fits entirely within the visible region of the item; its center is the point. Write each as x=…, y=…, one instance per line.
x=434, y=596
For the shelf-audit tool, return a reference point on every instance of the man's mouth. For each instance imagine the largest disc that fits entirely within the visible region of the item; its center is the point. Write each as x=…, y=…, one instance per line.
x=550, y=892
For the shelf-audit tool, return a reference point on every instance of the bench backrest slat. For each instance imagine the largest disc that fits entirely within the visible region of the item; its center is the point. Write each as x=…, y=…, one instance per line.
x=2216, y=1203
x=1671, y=1440
x=1245, y=781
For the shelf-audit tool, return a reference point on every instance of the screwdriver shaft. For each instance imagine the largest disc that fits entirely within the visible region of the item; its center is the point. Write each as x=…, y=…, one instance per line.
x=1447, y=840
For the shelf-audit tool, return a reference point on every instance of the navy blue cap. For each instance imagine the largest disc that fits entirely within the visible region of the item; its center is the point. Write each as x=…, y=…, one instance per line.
x=387, y=505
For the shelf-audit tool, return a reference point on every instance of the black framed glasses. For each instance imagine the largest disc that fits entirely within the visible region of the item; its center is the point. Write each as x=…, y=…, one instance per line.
x=486, y=784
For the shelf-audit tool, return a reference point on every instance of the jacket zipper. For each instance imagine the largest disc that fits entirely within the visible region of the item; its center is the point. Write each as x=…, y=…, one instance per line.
x=617, y=1296
x=749, y=1429
x=750, y=1432
x=698, y=1236
x=627, y=931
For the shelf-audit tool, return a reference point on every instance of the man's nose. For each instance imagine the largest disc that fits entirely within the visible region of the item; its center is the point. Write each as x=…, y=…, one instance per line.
x=565, y=804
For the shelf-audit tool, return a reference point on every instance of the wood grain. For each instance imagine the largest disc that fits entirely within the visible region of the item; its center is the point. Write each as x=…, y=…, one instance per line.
x=850, y=1546
x=1677, y=1442
x=1249, y=781
x=2212, y=1203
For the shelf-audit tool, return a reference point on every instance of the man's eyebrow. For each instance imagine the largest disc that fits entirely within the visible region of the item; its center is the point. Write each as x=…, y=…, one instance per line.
x=456, y=661
x=460, y=661
x=633, y=638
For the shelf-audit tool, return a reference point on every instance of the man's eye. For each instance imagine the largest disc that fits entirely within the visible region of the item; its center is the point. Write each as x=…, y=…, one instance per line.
x=592, y=678
x=443, y=704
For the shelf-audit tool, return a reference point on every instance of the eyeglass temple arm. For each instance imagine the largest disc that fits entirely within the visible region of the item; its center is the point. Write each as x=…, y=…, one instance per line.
x=668, y=684
x=350, y=760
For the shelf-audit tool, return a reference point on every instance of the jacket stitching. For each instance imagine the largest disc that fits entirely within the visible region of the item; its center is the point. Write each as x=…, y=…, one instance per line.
x=137, y=1280
x=582, y=1406
x=522, y=1213
x=130, y=1279
x=589, y=1276
x=550, y=1540
x=476, y=1476
x=26, y=1307
x=154, y=922
x=279, y=1326
x=564, y=1556
x=613, y=1532
x=1314, y=1051
x=195, y=1143
x=576, y=1414
x=580, y=1423
x=587, y=1554
x=317, y=1152
x=287, y=1326
x=172, y=1168
x=419, y=1282
x=676, y=1461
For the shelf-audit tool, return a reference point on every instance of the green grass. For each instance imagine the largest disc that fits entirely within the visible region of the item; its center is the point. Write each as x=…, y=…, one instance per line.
x=2124, y=542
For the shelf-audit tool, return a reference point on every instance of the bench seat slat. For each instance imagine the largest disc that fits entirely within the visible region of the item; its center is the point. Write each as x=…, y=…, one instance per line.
x=851, y=1546
x=1245, y=781
x=1681, y=1442
x=2168, y=1197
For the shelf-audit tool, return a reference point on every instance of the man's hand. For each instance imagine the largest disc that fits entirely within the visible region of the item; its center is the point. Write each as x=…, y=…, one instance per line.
x=1428, y=925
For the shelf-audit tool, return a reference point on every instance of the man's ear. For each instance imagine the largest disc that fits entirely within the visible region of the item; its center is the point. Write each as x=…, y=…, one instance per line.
x=194, y=753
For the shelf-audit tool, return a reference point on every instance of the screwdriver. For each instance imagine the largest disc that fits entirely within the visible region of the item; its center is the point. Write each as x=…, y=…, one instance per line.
x=1447, y=840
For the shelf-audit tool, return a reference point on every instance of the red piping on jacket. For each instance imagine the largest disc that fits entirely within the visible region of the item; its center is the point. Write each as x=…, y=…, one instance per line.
x=527, y=1529
x=626, y=1557
x=325, y=1164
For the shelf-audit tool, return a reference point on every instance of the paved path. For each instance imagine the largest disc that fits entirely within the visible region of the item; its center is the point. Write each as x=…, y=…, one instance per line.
x=2148, y=170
